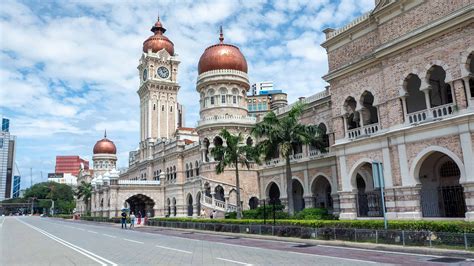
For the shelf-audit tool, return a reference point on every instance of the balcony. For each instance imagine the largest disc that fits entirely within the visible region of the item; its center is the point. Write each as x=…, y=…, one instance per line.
x=226, y=119
x=437, y=112
x=364, y=131
x=139, y=182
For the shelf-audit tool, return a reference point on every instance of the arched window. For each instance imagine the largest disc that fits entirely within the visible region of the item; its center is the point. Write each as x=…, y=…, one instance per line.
x=470, y=65
x=191, y=173
x=197, y=168
x=368, y=112
x=174, y=172
x=223, y=94
x=206, y=144
x=416, y=99
x=440, y=92
x=352, y=115
x=218, y=142
x=187, y=171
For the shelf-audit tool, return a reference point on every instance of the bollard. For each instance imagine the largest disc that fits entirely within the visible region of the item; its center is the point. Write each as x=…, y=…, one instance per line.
x=403, y=237
x=465, y=240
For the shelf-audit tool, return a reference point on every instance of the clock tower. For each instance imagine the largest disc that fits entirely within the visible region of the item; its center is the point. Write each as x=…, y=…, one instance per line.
x=160, y=112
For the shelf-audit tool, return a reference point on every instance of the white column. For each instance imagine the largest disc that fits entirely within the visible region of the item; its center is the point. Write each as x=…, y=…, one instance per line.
x=344, y=117
x=213, y=199
x=407, y=180
x=387, y=167
x=426, y=91
x=307, y=189
x=467, y=154
x=149, y=106
x=405, y=110
x=467, y=86
x=167, y=112
x=345, y=179
x=453, y=92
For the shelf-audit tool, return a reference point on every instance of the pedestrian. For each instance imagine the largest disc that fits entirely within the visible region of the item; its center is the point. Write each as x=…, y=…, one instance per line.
x=124, y=220
x=214, y=214
x=139, y=216
x=211, y=215
x=132, y=220
x=203, y=213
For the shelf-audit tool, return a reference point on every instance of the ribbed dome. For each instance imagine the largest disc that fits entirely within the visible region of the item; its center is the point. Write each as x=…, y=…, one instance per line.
x=158, y=41
x=105, y=146
x=222, y=56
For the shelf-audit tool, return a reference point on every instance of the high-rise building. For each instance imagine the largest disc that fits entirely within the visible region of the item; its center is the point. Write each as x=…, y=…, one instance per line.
x=70, y=164
x=261, y=86
x=16, y=186
x=7, y=159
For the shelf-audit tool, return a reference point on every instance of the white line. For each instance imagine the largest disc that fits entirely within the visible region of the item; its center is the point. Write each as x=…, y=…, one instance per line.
x=184, y=251
x=84, y=252
x=333, y=257
x=234, y=261
x=383, y=251
x=1, y=225
x=92, y=232
x=133, y=241
x=110, y=236
x=81, y=229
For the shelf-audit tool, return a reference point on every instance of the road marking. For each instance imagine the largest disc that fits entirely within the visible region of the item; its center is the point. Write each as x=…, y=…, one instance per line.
x=110, y=236
x=92, y=232
x=333, y=257
x=133, y=241
x=383, y=251
x=234, y=261
x=1, y=225
x=84, y=252
x=184, y=251
x=82, y=229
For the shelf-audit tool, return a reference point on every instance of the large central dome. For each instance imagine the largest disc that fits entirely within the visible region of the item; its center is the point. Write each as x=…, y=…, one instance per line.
x=222, y=56
x=105, y=146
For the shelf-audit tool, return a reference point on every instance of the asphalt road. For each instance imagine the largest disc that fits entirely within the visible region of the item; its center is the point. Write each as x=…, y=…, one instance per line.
x=45, y=241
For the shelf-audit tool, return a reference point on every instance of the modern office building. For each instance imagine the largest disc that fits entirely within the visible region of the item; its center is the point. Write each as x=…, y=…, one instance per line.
x=70, y=164
x=7, y=160
x=265, y=101
x=261, y=86
x=16, y=186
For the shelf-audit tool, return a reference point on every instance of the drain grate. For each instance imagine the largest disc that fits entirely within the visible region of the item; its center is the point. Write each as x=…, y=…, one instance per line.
x=447, y=260
x=232, y=237
x=303, y=246
x=188, y=233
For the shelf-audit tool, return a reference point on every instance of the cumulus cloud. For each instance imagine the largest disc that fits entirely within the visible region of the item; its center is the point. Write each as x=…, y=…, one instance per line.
x=68, y=69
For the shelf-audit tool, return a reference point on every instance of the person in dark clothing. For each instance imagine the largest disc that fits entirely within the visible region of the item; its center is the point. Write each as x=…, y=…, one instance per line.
x=124, y=220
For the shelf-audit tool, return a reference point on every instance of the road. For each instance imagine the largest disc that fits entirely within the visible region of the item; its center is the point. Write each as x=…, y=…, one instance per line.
x=46, y=241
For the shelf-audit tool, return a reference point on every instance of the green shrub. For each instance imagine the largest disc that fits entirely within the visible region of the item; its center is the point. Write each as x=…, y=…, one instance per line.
x=313, y=214
x=259, y=212
x=63, y=216
x=435, y=226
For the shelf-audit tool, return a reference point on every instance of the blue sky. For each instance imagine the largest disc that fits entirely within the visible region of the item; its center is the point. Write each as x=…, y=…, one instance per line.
x=68, y=68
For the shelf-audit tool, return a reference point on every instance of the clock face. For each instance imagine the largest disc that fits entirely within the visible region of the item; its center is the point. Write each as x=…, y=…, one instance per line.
x=163, y=72
x=145, y=74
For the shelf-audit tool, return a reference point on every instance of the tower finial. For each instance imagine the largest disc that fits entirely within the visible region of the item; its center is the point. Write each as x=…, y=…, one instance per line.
x=158, y=15
x=105, y=133
x=221, y=35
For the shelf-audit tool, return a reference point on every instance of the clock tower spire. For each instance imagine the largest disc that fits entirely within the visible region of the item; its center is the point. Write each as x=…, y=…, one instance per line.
x=160, y=112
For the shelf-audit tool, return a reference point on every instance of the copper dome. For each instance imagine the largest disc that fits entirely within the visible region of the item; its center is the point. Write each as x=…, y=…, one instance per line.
x=158, y=41
x=222, y=56
x=105, y=146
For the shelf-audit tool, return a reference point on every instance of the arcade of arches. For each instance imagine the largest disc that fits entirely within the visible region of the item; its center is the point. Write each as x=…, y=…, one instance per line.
x=141, y=204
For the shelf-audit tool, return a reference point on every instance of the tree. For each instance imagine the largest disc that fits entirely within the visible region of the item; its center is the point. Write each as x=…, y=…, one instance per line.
x=279, y=135
x=232, y=154
x=84, y=191
x=46, y=191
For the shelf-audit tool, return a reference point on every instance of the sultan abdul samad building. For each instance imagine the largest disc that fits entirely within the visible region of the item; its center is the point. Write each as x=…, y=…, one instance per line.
x=401, y=93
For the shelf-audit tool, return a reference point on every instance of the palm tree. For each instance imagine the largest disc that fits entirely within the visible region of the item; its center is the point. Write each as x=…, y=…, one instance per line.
x=279, y=135
x=84, y=191
x=235, y=152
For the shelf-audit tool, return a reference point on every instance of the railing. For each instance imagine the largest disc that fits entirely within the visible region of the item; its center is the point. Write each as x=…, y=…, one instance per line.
x=139, y=182
x=417, y=117
x=442, y=111
x=363, y=131
x=310, y=99
x=350, y=25
x=227, y=119
x=207, y=199
x=295, y=157
x=378, y=236
x=314, y=153
x=272, y=162
x=353, y=133
x=220, y=203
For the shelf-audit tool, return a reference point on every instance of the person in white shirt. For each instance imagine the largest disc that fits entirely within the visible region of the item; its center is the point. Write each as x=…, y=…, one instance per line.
x=132, y=220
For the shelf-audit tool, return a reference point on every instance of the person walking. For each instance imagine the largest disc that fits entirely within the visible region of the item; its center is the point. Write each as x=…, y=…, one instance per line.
x=124, y=220
x=132, y=220
x=214, y=214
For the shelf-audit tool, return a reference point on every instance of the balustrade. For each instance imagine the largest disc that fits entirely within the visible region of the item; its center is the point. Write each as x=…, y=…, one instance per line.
x=363, y=131
x=442, y=110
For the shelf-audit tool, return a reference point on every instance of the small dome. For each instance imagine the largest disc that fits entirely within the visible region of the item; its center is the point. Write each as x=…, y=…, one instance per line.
x=158, y=41
x=106, y=176
x=105, y=146
x=222, y=56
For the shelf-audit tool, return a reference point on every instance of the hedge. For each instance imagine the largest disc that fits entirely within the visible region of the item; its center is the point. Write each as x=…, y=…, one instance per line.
x=63, y=216
x=434, y=226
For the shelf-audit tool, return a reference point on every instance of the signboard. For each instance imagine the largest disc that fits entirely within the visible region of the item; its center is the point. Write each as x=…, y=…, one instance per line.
x=377, y=173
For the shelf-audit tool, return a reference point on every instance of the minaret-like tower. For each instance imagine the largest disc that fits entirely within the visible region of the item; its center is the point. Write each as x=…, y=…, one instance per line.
x=160, y=112
x=222, y=85
x=104, y=158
